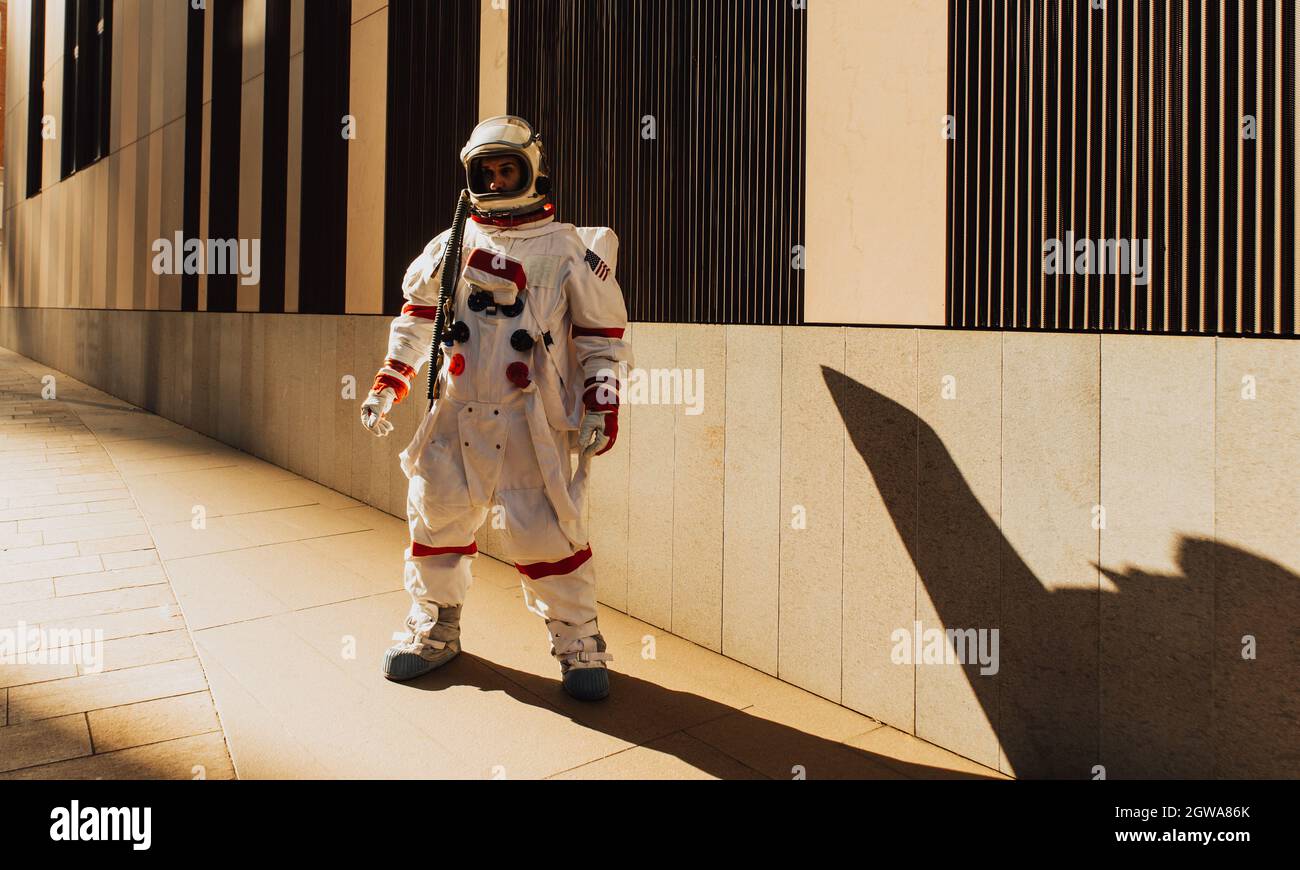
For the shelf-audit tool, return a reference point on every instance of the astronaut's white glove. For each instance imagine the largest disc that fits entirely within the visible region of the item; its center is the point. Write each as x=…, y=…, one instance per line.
x=592, y=438
x=374, y=410
x=599, y=428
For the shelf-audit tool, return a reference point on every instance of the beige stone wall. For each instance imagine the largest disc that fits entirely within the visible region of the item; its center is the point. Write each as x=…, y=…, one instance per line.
x=877, y=94
x=842, y=483
x=494, y=49
x=368, y=98
x=86, y=241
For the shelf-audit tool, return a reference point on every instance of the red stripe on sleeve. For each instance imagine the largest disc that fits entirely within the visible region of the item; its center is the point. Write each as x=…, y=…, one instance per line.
x=429, y=312
x=598, y=332
x=399, y=389
x=400, y=367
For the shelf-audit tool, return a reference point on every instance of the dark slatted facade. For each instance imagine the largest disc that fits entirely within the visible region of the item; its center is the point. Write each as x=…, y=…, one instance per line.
x=275, y=154
x=432, y=108
x=192, y=207
x=327, y=51
x=223, y=165
x=1125, y=122
x=35, y=97
x=87, y=68
x=682, y=128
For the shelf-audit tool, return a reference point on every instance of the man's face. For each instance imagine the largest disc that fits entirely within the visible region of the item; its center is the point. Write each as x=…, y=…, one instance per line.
x=502, y=174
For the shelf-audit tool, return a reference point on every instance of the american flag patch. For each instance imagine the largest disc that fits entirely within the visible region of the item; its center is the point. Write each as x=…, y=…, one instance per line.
x=597, y=265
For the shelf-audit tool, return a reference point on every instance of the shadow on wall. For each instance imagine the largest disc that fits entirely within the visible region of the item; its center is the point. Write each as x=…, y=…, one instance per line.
x=1129, y=679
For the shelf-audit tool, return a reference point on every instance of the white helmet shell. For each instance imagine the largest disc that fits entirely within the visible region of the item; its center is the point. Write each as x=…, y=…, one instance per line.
x=497, y=137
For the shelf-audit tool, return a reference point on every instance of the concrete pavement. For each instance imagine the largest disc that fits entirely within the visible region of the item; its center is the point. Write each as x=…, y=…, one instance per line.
x=245, y=611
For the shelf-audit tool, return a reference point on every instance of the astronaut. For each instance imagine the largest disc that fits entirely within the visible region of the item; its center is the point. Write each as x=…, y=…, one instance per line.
x=532, y=340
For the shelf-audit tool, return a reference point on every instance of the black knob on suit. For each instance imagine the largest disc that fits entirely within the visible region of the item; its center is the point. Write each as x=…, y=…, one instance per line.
x=521, y=341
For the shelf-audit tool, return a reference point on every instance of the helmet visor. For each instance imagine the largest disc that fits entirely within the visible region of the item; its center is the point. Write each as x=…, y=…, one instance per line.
x=498, y=173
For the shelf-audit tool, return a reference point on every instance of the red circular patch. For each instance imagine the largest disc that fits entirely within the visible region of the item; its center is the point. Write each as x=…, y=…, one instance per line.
x=457, y=364
x=517, y=374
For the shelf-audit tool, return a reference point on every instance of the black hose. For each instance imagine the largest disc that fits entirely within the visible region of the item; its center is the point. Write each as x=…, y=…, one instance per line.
x=450, y=275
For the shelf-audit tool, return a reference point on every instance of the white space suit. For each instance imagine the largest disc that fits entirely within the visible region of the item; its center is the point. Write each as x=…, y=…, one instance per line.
x=536, y=333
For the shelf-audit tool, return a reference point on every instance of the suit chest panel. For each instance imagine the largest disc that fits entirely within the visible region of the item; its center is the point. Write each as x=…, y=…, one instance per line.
x=489, y=352
x=543, y=259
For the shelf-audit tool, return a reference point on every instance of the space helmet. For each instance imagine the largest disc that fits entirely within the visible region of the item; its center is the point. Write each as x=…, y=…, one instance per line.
x=506, y=135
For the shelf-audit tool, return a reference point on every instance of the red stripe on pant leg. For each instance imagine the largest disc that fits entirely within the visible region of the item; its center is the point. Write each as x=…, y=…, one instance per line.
x=537, y=570
x=418, y=549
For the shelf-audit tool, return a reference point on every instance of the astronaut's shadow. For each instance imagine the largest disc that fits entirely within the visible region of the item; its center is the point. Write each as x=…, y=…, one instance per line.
x=715, y=738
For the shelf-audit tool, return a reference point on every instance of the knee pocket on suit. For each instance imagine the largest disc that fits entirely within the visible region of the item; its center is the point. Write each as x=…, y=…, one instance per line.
x=436, y=504
x=532, y=531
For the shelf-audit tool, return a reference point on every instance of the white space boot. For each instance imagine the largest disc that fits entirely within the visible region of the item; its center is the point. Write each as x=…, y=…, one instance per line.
x=580, y=650
x=415, y=654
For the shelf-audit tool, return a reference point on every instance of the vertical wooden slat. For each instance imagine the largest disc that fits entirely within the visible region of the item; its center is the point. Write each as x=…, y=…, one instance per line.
x=1099, y=140
x=192, y=207
x=275, y=155
x=1286, y=184
x=1055, y=171
x=984, y=114
x=68, y=123
x=1104, y=318
x=1177, y=168
x=1230, y=305
x=1004, y=310
x=223, y=199
x=35, y=95
x=1249, y=163
x=105, y=78
x=998, y=166
x=1071, y=309
x=1143, y=170
x=1033, y=311
x=1193, y=277
x=1123, y=307
x=1025, y=64
x=1268, y=130
x=1212, y=89
x=1159, y=155
x=957, y=167
x=970, y=128
x=327, y=49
